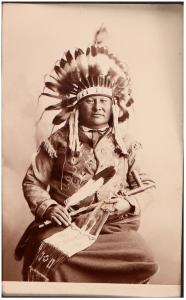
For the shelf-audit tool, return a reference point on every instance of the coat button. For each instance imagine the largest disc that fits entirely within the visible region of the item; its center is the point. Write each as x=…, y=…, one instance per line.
x=68, y=178
x=76, y=180
x=74, y=169
x=83, y=173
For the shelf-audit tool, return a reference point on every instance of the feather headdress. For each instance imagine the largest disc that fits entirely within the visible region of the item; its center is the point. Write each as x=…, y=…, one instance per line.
x=95, y=71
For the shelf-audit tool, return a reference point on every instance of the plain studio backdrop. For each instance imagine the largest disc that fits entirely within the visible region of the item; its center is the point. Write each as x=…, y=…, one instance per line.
x=148, y=37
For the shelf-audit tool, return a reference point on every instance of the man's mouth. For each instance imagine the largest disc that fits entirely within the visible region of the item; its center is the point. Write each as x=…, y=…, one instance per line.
x=97, y=115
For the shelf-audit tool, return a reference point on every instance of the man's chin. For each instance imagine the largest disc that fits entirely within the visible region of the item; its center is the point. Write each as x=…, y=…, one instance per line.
x=98, y=124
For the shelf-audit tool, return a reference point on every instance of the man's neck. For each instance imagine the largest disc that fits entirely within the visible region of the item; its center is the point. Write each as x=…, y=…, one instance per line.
x=103, y=128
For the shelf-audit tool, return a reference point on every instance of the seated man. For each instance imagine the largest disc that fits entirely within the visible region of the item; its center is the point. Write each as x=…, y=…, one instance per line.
x=87, y=186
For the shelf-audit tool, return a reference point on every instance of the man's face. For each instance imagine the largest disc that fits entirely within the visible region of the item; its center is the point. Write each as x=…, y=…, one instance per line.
x=95, y=111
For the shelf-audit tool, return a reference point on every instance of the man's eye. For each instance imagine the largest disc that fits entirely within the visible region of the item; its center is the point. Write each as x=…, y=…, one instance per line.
x=89, y=101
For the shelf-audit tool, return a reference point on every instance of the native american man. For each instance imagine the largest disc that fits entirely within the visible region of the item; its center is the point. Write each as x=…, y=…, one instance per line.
x=86, y=185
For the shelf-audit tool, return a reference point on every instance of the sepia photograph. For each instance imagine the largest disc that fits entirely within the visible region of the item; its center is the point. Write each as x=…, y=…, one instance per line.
x=92, y=133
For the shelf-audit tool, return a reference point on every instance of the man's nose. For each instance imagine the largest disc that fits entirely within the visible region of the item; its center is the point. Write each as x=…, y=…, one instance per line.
x=97, y=105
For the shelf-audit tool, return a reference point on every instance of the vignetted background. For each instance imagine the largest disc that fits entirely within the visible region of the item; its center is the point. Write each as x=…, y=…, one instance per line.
x=148, y=37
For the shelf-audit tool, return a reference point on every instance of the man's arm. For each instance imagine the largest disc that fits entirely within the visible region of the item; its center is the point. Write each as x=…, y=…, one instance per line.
x=36, y=181
x=137, y=173
x=35, y=185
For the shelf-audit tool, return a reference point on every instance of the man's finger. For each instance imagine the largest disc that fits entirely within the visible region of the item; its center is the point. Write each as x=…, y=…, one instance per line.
x=59, y=220
x=64, y=211
x=63, y=218
x=111, y=201
x=55, y=220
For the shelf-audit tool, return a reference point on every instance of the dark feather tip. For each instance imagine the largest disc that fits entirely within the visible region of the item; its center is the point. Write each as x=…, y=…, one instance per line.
x=76, y=54
x=57, y=120
x=69, y=56
x=52, y=86
x=62, y=116
x=52, y=96
x=62, y=63
x=54, y=107
x=130, y=102
x=124, y=116
x=107, y=174
x=57, y=70
x=93, y=51
x=80, y=51
x=88, y=51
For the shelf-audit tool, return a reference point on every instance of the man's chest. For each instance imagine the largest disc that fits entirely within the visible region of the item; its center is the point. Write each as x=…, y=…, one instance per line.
x=76, y=171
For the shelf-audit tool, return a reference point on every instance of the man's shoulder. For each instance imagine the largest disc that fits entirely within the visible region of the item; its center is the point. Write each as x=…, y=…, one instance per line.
x=60, y=134
x=56, y=142
x=59, y=138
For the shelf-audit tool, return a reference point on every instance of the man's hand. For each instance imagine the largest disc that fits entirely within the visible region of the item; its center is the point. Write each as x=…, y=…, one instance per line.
x=58, y=215
x=120, y=205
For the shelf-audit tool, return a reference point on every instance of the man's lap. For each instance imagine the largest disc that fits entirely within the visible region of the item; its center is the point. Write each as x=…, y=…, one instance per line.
x=118, y=255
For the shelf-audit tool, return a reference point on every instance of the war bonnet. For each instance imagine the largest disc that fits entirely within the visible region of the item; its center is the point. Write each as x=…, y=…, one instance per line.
x=95, y=71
